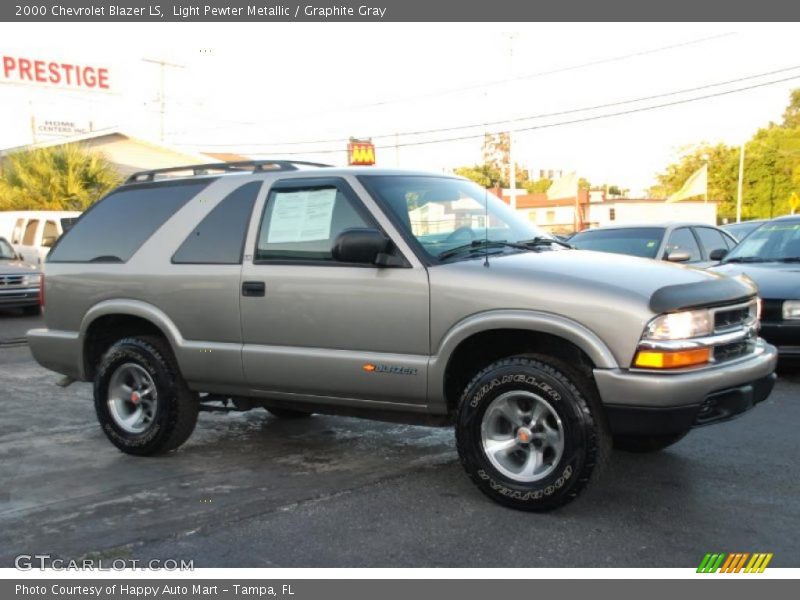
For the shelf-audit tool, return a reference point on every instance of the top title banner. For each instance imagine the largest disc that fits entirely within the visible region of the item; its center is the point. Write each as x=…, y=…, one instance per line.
x=401, y=10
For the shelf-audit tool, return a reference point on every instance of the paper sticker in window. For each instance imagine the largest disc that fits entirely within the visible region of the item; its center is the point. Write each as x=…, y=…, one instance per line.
x=301, y=216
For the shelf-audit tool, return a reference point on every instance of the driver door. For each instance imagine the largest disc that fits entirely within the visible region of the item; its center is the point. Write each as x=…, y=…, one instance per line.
x=314, y=328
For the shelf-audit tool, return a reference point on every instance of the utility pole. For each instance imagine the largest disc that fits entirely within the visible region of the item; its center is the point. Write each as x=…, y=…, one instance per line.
x=162, y=94
x=739, y=185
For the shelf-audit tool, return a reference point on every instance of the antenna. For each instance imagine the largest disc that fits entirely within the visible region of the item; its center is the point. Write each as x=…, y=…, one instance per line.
x=486, y=227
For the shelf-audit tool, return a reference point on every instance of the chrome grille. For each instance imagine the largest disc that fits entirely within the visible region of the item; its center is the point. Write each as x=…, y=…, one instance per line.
x=737, y=326
x=9, y=280
x=731, y=318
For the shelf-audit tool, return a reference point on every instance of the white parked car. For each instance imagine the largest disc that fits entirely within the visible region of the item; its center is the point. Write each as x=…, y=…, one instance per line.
x=33, y=232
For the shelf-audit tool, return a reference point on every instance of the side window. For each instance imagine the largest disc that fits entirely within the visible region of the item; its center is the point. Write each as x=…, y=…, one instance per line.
x=711, y=239
x=29, y=239
x=219, y=238
x=683, y=240
x=17, y=235
x=50, y=234
x=729, y=242
x=300, y=224
x=113, y=229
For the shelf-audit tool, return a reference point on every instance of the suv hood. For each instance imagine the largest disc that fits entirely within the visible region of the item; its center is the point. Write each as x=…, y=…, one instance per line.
x=775, y=280
x=612, y=295
x=660, y=285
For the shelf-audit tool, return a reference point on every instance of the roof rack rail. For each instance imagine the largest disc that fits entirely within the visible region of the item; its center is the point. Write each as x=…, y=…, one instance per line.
x=254, y=166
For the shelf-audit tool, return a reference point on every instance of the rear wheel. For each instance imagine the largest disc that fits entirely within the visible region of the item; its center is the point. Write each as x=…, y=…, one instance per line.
x=286, y=413
x=141, y=400
x=530, y=432
x=646, y=443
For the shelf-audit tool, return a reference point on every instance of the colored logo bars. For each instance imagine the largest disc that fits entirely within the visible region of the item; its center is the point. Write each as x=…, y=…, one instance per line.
x=735, y=562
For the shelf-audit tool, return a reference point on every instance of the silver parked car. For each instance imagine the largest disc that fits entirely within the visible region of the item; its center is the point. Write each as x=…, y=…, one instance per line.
x=695, y=244
x=392, y=295
x=19, y=281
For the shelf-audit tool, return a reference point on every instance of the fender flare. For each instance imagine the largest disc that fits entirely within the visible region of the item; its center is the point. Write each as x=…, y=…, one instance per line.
x=133, y=308
x=534, y=321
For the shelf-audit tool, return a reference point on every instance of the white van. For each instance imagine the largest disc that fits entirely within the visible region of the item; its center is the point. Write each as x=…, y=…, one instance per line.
x=33, y=232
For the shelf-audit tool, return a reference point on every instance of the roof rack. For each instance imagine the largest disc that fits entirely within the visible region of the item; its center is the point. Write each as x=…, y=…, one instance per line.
x=254, y=166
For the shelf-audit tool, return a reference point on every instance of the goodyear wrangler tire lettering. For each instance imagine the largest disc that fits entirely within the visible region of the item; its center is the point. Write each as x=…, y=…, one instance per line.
x=569, y=394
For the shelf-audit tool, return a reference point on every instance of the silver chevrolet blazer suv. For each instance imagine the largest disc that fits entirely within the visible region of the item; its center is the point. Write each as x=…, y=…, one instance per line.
x=394, y=295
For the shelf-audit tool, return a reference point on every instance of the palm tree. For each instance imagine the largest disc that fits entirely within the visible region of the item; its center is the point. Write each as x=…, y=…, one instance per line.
x=64, y=177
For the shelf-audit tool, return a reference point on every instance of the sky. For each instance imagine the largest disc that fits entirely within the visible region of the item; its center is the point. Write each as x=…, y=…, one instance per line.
x=259, y=88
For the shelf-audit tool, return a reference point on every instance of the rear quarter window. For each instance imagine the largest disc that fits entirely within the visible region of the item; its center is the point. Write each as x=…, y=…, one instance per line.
x=219, y=238
x=117, y=226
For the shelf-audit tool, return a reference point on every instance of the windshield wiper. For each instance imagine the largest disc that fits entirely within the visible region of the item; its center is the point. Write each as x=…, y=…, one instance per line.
x=545, y=241
x=481, y=245
x=789, y=259
x=745, y=259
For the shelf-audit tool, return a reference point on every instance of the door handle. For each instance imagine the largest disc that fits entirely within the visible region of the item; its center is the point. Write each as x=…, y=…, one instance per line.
x=253, y=288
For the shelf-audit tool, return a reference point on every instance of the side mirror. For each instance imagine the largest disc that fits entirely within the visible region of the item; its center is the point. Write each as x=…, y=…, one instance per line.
x=718, y=254
x=360, y=246
x=678, y=256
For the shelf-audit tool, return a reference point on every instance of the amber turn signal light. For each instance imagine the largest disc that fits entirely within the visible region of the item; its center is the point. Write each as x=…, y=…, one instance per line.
x=655, y=359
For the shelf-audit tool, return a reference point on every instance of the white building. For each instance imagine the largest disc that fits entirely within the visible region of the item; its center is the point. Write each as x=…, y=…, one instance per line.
x=595, y=210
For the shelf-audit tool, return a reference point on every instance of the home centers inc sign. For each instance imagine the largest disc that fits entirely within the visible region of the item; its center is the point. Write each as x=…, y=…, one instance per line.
x=16, y=69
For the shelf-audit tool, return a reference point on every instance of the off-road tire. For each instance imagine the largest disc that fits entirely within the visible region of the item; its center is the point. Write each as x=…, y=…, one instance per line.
x=646, y=443
x=572, y=395
x=287, y=413
x=176, y=406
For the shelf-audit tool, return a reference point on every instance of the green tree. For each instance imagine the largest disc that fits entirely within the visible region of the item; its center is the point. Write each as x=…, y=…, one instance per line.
x=495, y=170
x=791, y=116
x=771, y=169
x=58, y=178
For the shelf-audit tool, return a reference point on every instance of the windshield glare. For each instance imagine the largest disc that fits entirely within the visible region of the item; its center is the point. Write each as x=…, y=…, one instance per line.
x=772, y=241
x=639, y=241
x=443, y=213
x=6, y=251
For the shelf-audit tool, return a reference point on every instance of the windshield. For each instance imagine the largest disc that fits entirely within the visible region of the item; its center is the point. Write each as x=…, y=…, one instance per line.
x=740, y=230
x=6, y=251
x=635, y=241
x=444, y=213
x=773, y=241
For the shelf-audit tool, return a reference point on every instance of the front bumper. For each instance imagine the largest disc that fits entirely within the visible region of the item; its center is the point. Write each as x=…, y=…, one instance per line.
x=654, y=403
x=15, y=298
x=785, y=335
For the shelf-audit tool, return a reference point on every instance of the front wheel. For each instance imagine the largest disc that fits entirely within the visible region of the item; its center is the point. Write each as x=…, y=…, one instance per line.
x=530, y=432
x=141, y=400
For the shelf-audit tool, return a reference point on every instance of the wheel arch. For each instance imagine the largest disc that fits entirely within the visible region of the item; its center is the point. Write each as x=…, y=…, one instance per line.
x=111, y=320
x=485, y=337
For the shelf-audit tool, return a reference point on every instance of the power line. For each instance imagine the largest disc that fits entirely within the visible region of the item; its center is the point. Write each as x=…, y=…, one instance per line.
x=537, y=74
x=562, y=123
x=517, y=119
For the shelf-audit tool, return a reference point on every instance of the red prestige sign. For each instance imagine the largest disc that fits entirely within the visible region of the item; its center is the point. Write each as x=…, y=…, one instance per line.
x=17, y=69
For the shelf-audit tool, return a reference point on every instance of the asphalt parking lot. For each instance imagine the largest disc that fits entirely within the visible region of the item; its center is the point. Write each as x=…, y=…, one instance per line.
x=249, y=490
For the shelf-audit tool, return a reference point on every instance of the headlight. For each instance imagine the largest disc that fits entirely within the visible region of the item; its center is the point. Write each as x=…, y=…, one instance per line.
x=680, y=326
x=791, y=310
x=33, y=279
